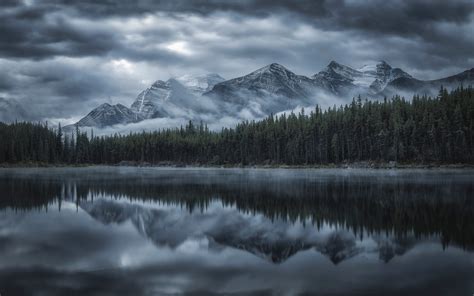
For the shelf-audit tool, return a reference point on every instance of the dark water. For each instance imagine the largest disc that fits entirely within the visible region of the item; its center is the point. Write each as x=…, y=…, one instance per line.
x=148, y=231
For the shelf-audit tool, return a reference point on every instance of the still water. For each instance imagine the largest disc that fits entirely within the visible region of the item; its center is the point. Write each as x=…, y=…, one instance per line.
x=163, y=231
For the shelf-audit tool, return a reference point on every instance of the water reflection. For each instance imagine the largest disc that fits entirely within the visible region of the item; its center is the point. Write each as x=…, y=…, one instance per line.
x=235, y=231
x=274, y=241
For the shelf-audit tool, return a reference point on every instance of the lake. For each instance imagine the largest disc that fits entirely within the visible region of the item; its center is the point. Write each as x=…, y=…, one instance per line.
x=196, y=231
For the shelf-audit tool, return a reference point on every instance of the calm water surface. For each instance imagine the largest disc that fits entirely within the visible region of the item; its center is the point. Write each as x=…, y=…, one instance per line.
x=155, y=231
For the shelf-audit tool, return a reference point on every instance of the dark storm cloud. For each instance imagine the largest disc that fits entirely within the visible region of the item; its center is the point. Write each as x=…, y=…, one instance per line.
x=30, y=31
x=399, y=17
x=204, y=7
x=10, y=3
x=36, y=33
x=374, y=15
x=435, y=27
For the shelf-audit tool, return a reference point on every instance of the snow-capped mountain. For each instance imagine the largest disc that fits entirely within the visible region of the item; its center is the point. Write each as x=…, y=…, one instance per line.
x=382, y=73
x=336, y=78
x=270, y=89
x=368, y=80
x=180, y=97
x=199, y=84
x=157, y=100
x=107, y=115
x=410, y=85
x=273, y=79
x=176, y=98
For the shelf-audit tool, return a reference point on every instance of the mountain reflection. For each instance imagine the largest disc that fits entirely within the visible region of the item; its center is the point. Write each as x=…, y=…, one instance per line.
x=345, y=213
x=274, y=241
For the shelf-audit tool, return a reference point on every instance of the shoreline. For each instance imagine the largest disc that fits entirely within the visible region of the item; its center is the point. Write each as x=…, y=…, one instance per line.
x=355, y=165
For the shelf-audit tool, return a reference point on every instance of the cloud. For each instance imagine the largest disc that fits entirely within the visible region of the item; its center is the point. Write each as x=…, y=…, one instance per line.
x=202, y=7
x=65, y=87
x=39, y=34
x=214, y=123
x=10, y=110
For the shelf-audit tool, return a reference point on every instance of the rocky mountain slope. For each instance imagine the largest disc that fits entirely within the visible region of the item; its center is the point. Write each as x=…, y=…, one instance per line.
x=409, y=85
x=173, y=99
x=369, y=80
x=199, y=84
x=270, y=89
x=108, y=115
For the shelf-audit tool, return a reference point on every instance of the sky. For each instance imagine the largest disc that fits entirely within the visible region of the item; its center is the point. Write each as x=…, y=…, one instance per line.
x=61, y=58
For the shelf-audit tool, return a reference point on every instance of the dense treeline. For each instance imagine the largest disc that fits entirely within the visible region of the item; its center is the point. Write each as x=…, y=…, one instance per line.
x=21, y=142
x=420, y=130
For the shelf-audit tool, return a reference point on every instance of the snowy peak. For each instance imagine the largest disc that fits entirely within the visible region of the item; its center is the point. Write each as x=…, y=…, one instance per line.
x=107, y=115
x=274, y=68
x=342, y=70
x=337, y=78
x=269, y=89
x=200, y=84
x=376, y=67
x=148, y=100
x=410, y=85
x=176, y=97
x=334, y=64
x=383, y=71
x=271, y=80
x=160, y=84
x=371, y=78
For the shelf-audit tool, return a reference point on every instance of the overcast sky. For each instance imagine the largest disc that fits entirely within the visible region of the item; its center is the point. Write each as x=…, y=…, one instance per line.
x=61, y=58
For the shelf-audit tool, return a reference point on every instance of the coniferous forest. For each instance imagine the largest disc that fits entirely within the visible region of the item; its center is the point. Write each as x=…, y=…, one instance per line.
x=420, y=130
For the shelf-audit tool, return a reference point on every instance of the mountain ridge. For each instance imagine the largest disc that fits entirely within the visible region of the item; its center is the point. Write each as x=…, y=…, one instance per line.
x=267, y=90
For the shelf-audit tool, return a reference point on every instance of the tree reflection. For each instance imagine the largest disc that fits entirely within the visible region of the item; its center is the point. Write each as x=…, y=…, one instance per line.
x=396, y=208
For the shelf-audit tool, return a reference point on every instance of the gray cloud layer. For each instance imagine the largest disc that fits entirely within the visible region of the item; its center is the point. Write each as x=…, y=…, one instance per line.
x=63, y=57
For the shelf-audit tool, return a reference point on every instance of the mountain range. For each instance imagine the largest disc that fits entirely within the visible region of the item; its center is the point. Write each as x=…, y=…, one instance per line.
x=268, y=90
